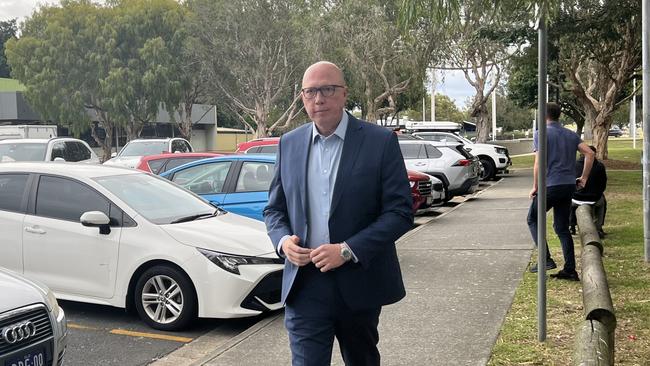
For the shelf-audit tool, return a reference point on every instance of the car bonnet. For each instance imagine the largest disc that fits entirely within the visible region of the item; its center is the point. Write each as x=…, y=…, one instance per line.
x=226, y=233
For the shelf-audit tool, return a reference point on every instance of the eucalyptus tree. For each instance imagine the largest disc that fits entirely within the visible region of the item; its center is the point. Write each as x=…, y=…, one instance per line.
x=253, y=53
x=63, y=58
x=600, y=51
x=145, y=65
x=380, y=61
x=8, y=29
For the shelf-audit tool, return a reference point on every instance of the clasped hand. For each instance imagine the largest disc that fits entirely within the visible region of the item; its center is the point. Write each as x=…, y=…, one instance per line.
x=326, y=257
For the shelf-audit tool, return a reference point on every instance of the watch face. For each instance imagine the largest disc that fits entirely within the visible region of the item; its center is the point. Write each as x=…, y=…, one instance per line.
x=346, y=254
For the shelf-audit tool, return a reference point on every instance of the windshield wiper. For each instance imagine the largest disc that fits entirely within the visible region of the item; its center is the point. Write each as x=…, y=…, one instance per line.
x=195, y=217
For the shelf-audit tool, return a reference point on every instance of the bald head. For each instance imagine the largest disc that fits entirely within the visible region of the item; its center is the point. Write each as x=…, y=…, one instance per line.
x=326, y=95
x=324, y=69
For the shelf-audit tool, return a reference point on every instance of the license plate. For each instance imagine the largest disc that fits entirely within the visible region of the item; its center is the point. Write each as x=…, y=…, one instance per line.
x=34, y=357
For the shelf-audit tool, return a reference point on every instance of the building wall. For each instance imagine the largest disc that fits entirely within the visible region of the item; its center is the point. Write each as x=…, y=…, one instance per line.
x=227, y=141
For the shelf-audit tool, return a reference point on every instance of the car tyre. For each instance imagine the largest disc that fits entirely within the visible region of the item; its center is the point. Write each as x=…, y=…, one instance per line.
x=165, y=298
x=489, y=170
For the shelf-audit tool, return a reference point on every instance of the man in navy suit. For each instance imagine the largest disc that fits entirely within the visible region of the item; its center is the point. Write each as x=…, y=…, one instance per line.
x=338, y=201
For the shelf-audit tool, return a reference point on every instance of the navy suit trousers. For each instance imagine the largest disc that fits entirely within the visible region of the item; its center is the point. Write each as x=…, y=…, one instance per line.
x=315, y=313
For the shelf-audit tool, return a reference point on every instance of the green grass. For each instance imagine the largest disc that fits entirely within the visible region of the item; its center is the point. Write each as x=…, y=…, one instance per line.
x=618, y=149
x=628, y=276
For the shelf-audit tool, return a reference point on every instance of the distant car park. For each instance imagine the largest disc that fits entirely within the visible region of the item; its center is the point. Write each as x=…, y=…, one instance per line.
x=160, y=163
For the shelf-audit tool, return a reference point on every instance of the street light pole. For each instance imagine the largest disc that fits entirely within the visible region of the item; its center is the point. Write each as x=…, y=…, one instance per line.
x=645, y=39
x=541, y=177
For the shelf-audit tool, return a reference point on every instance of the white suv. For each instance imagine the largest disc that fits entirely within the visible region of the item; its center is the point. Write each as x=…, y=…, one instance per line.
x=134, y=150
x=55, y=149
x=494, y=158
x=33, y=327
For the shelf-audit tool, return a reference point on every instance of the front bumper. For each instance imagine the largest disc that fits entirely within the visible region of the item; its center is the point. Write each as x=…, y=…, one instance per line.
x=222, y=294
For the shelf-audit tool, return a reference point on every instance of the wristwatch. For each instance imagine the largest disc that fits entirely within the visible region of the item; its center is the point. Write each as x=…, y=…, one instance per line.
x=346, y=253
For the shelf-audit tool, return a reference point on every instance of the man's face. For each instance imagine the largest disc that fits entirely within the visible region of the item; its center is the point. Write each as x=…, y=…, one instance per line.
x=325, y=111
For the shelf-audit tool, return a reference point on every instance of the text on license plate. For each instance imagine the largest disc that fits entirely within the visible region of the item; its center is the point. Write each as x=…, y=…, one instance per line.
x=33, y=358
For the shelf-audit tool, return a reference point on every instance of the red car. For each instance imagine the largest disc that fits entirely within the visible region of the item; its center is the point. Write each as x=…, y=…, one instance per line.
x=421, y=186
x=268, y=145
x=161, y=163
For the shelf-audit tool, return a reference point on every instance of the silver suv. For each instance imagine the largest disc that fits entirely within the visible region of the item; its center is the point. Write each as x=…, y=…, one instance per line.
x=55, y=149
x=33, y=328
x=457, y=169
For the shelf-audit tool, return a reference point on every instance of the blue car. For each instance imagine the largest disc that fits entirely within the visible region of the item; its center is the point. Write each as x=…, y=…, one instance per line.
x=236, y=183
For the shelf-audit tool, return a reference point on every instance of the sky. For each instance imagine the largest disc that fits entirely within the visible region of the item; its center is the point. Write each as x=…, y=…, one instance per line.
x=450, y=83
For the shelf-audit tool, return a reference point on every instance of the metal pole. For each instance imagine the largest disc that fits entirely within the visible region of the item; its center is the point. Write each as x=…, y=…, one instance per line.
x=424, y=109
x=646, y=126
x=494, y=114
x=433, y=95
x=633, y=115
x=541, y=178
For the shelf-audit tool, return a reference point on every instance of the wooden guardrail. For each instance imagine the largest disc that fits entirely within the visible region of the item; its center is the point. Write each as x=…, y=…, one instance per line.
x=595, y=338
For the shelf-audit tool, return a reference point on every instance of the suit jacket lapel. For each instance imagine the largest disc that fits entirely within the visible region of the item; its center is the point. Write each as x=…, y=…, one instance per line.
x=351, y=146
x=303, y=158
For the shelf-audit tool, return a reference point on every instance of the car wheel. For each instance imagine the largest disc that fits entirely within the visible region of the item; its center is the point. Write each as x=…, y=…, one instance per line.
x=489, y=170
x=165, y=298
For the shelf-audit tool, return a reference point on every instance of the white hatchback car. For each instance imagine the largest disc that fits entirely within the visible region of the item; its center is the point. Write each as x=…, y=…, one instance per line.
x=33, y=329
x=121, y=237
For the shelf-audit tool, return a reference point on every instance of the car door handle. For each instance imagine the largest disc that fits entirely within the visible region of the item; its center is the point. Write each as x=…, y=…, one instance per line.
x=420, y=164
x=34, y=230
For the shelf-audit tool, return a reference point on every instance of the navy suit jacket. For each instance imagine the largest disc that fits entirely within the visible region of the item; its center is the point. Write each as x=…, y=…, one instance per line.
x=370, y=209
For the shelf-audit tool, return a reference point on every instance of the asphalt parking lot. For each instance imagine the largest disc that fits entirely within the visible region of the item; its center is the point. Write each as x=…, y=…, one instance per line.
x=103, y=335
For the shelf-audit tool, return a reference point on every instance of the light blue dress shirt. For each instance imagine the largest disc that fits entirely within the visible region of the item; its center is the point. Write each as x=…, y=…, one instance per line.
x=322, y=168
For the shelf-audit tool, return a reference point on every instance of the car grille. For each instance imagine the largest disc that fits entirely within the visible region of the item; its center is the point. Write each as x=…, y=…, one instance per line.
x=424, y=186
x=37, y=314
x=269, y=290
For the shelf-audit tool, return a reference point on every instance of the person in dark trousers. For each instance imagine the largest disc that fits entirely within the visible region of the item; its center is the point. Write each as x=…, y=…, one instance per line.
x=562, y=145
x=592, y=194
x=338, y=201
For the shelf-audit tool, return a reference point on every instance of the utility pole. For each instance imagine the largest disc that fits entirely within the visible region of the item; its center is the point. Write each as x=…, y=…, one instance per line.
x=633, y=114
x=645, y=38
x=424, y=108
x=433, y=95
x=541, y=175
x=494, y=112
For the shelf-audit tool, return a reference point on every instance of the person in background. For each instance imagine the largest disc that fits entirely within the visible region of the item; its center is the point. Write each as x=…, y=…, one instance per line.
x=561, y=182
x=593, y=193
x=338, y=201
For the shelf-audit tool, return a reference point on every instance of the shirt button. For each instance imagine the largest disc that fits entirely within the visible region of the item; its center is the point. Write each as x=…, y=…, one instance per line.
x=324, y=193
x=325, y=171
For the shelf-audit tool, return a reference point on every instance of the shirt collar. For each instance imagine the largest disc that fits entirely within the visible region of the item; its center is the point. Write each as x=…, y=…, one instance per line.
x=340, y=129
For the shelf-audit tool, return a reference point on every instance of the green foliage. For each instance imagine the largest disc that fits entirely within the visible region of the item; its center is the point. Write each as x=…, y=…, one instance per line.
x=8, y=30
x=446, y=110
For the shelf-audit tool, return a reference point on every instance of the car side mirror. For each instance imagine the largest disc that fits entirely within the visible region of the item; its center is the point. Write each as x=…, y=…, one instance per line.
x=113, y=154
x=96, y=219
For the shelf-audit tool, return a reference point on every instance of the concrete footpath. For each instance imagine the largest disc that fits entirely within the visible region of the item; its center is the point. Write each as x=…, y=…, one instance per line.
x=460, y=270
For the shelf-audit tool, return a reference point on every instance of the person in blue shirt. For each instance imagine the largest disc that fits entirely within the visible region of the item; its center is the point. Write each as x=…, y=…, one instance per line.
x=593, y=193
x=338, y=201
x=562, y=146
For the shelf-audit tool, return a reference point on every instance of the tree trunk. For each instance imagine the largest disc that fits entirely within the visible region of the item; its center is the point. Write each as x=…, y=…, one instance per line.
x=185, y=126
x=106, y=143
x=600, y=139
x=133, y=130
x=480, y=114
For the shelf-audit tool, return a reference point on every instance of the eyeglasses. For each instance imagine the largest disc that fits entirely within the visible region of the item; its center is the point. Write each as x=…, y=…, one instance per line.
x=325, y=91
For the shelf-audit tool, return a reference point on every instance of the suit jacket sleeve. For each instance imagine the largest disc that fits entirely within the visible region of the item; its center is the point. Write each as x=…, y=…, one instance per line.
x=276, y=216
x=396, y=216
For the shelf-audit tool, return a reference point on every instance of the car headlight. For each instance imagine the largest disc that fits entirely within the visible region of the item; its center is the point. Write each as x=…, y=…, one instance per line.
x=501, y=150
x=51, y=299
x=231, y=262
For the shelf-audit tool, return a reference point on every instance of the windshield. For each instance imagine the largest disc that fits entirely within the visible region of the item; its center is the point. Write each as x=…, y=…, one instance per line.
x=156, y=199
x=142, y=148
x=22, y=152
